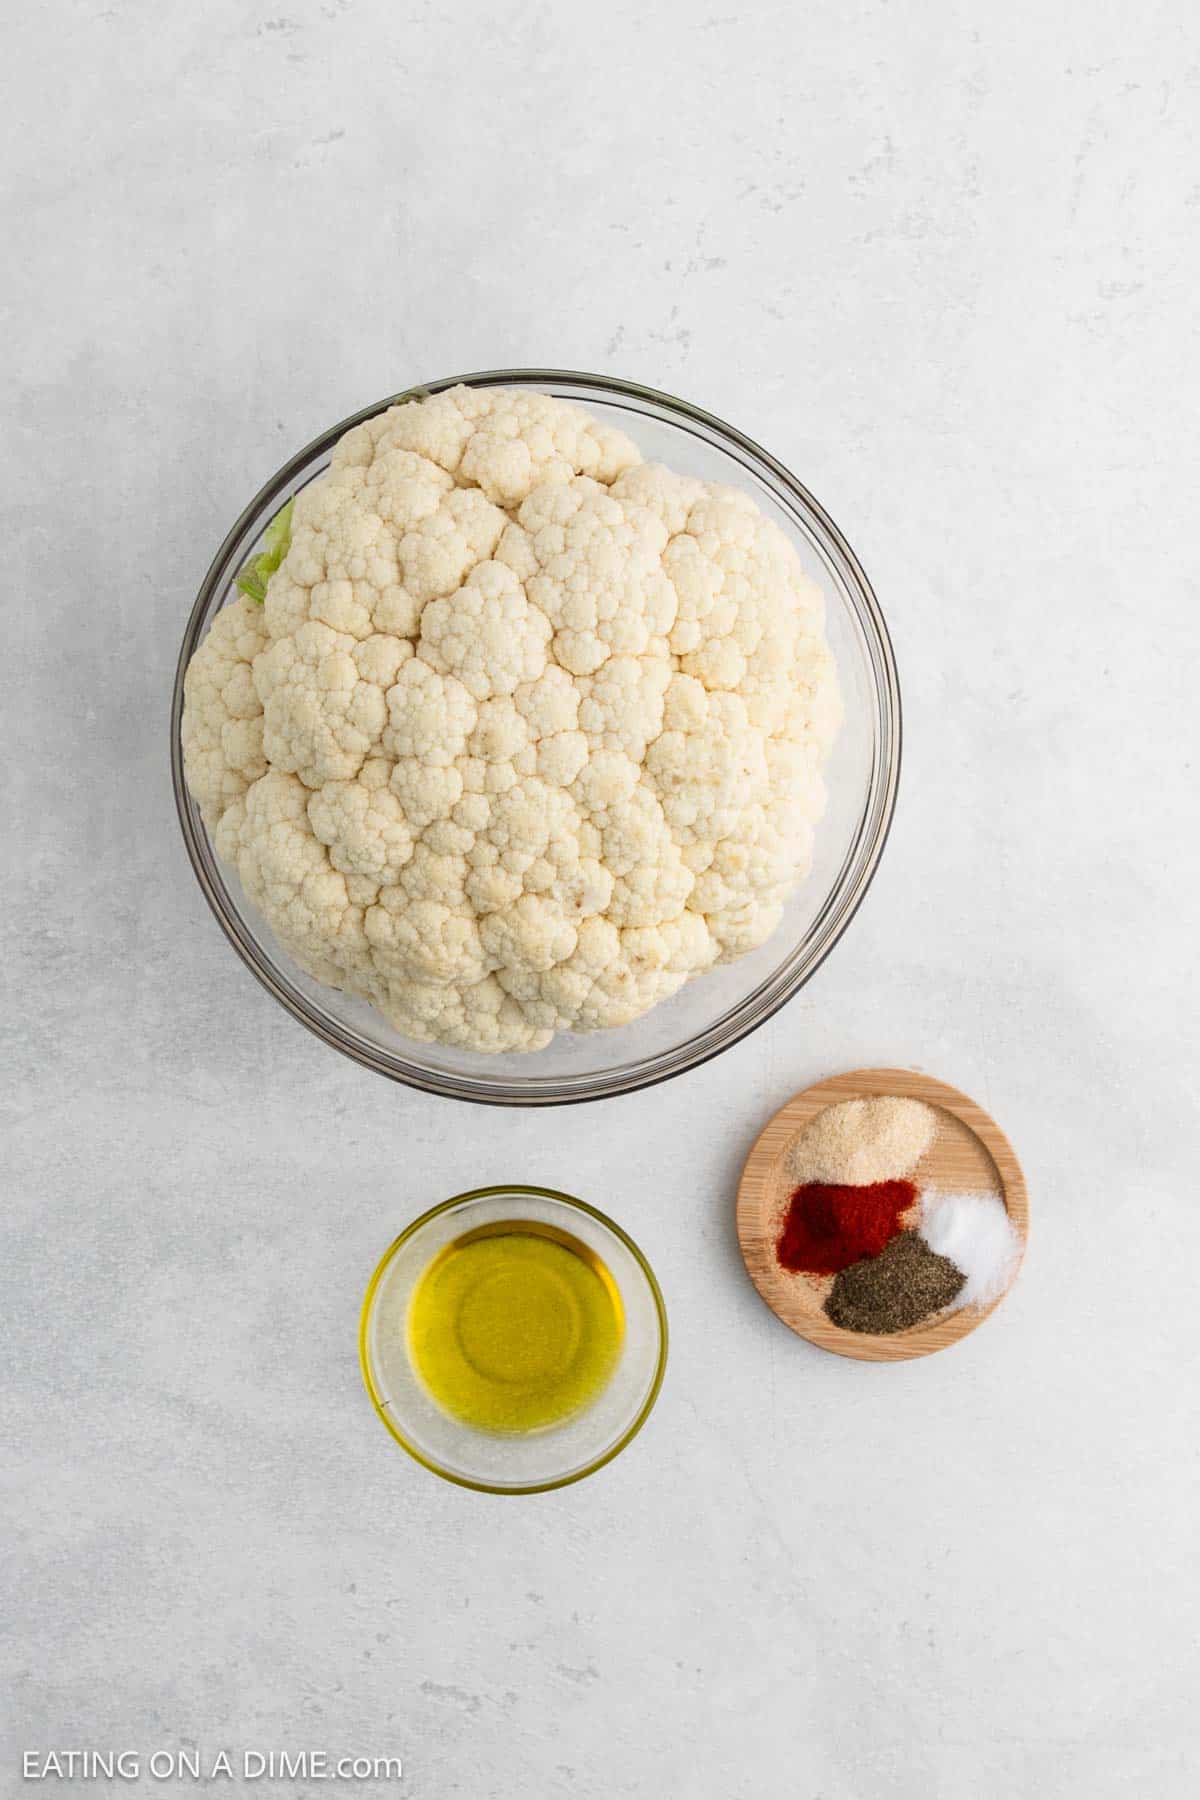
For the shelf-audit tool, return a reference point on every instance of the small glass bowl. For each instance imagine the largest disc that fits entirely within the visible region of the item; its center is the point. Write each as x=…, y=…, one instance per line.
x=492, y=1462
x=714, y=1011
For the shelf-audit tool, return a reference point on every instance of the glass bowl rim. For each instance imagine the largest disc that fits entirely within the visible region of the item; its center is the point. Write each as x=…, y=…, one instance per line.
x=573, y=1204
x=847, y=894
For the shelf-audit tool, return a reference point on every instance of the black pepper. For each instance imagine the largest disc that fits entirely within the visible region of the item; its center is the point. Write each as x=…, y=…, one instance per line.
x=904, y=1284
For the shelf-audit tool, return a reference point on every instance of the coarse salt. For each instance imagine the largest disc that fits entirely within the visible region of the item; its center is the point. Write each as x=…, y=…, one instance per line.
x=975, y=1232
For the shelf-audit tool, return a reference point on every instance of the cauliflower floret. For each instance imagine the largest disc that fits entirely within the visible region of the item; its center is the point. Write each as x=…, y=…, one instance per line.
x=363, y=826
x=479, y=1016
x=490, y=886
x=528, y=439
x=551, y=704
x=222, y=732
x=705, y=777
x=342, y=555
x=745, y=605
x=506, y=441
x=529, y=934
x=653, y=894
x=690, y=945
x=525, y=733
x=561, y=758
x=669, y=496
x=600, y=579
x=527, y=819
x=739, y=929
x=438, y=428
x=430, y=715
x=423, y=940
x=608, y=779
x=287, y=873
x=579, y=887
x=501, y=734
x=427, y=792
x=438, y=554
x=321, y=714
x=488, y=633
x=622, y=705
x=403, y=488
x=571, y=998
x=814, y=705
x=633, y=833
x=436, y=875
x=651, y=882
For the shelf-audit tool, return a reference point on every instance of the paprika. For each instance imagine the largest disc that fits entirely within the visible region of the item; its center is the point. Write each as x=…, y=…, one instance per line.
x=827, y=1227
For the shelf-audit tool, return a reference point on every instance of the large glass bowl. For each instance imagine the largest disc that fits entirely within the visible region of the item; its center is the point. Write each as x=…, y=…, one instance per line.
x=716, y=1009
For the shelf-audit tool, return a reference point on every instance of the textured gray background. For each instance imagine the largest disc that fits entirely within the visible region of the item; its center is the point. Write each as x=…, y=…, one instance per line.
x=942, y=259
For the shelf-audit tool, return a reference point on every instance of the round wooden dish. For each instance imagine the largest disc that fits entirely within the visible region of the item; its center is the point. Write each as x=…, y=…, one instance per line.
x=969, y=1152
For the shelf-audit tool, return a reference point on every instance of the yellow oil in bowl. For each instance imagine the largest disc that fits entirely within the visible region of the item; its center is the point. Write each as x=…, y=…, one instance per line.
x=515, y=1327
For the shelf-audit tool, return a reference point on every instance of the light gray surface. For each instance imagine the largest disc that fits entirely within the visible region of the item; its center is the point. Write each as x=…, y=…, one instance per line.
x=943, y=261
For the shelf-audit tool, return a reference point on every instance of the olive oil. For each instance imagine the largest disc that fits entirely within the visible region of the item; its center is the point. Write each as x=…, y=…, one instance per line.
x=515, y=1327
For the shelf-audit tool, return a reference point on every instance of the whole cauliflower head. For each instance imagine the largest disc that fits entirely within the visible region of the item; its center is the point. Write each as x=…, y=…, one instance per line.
x=524, y=732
